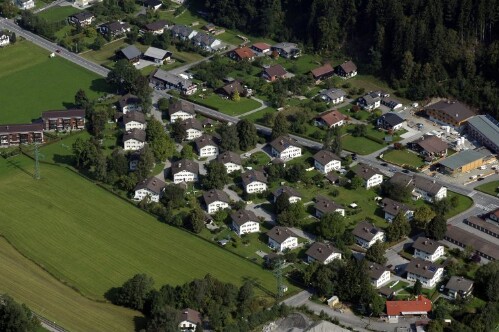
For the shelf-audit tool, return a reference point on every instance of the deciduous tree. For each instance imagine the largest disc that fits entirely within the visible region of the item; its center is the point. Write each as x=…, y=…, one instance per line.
x=280, y=126
x=216, y=176
x=248, y=136
x=229, y=138
x=376, y=253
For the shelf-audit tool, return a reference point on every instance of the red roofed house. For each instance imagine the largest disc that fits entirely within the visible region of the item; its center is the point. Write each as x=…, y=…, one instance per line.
x=419, y=307
x=323, y=72
x=330, y=119
x=242, y=53
x=190, y=319
x=274, y=72
x=261, y=48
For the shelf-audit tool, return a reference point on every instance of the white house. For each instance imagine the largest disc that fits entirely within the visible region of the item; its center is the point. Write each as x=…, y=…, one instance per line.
x=25, y=4
x=4, y=39
x=372, y=176
x=134, y=140
x=129, y=103
x=391, y=208
x=428, y=250
x=193, y=128
x=254, y=182
x=215, y=200
x=189, y=320
x=324, y=206
x=231, y=161
x=285, y=148
x=378, y=273
x=459, y=286
x=206, y=146
x=422, y=188
x=206, y=42
x=282, y=238
x=334, y=96
x=181, y=110
x=326, y=161
x=370, y=101
x=151, y=188
x=323, y=253
x=134, y=120
x=244, y=222
x=367, y=234
x=428, y=273
x=185, y=170
x=293, y=195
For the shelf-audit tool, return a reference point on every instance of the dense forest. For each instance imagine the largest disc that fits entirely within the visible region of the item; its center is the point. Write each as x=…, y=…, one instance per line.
x=422, y=48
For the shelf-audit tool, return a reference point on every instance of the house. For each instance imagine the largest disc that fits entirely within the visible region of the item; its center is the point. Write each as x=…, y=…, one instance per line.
x=206, y=42
x=152, y=4
x=244, y=222
x=131, y=53
x=390, y=121
x=17, y=134
x=261, y=48
x=485, y=130
x=428, y=273
x=323, y=253
x=189, y=320
x=286, y=50
x=459, y=287
x=4, y=39
x=421, y=187
x=134, y=120
x=134, y=139
x=181, y=110
x=185, y=170
x=494, y=215
x=64, y=120
x=391, y=208
x=486, y=249
x=129, y=103
x=367, y=234
x=114, y=29
x=369, y=101
x=82, y=19
x=193, y=128
x=430, y=147
x=427, y=249
x=274, y=72
x=156, y=27
x=206, y=146
x=151, y=188
x=165, y=80
x=372, y=176
x=450, y=113
x=331, y=119
x=215, y=200
x=25, y=4
x=210, y=27
x=157, y=55
x=231, y=161
x=293, y=195
x=335, y=96
x=485, y=226
x=347, y=69
x=285, y=148
x=254, y=181
x=282, y=238
x=323, y=72
x=325, y=161
x=230, y=88
x=464, y=161
x=324, y=206
x=242, y=53
x=392, y=104
x=183, y=32
x=378, y=274
x=421, y=306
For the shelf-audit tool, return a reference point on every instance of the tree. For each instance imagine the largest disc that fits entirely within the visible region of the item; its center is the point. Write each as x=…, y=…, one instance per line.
x=235, y=96
x=134, y=292
x=356, y=182
x=16, y=317
x=99, y=41
x=229, y=139
x=396, y=191
x=359, y=130
x=487, y=280
x=282, y=203
x=280, y=126
x=423, y=215
x=160, y=143
x=85, y=152
x=377, y=304
x=173, y=196
x=295, y=172
x=195, y=220
x=81, y=99
x=417, y=288
x=145, y=164
x=332, y=226
x=436, y=228
x=98, y=120
x=376, y=253
x=187, y=152
x=123, y=75
x=164, y=319
x=163, y=104
x=442, y=206
x=178, y=131
x=8, y=9
x=216, y=176
x=247, y=134
x=399, y=228
x=435, y=325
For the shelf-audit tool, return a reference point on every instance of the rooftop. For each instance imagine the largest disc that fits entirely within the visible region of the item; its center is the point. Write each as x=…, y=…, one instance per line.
x=431, y=144
x=463, y=158
x=457, y=110
x=21, y=128
x=324, y=157
x=156, y=53
x=332, y=117
x=348, y=66
x=366, y=231
x=393, y=207
x=423, y=268
x=215, y=195
x=321, y=251
x=459, y=284
x=136, y=134
x=153, y=184
x=242, y=216
x=426, y=245
x=253, y=175
x=203, y=141
x=181, y=106
x=325, y=205
x=73, y=113
x=460, y=235
x=392, y=119
x=334, y=93
x=366, y=172
x=286, y=189
x=244, y=52
x=185, y=165
x=229, y=157
x=275, y=70
x=131, y=52
x=421, y=305
x=486, y=127
x=280, y=234
x=322, y=70
x=281, y=143
x=375, y=270
x=191, y=315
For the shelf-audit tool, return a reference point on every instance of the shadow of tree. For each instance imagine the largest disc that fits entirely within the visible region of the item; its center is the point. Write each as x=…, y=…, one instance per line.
x=63, y=159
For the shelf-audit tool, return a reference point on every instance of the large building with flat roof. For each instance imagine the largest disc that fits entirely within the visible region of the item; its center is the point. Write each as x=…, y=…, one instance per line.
x=485, y=130
x=465, y=161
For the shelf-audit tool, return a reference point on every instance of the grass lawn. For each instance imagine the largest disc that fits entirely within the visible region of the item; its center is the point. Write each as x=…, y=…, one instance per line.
x=403, y=157
x=226, y=106
x=360, y=145
x=257, y=160
x=258, y=116
x=57, y=14
x=489, y=188
x=28, y=85
x=463, y=204
x=93, y=241
x=27, y=283
x=104, y=55
x=371, y=83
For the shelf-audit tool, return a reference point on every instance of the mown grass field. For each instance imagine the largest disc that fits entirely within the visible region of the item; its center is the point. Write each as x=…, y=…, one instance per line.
x=403, y=157
x=489, y=188
x=31, y=82
x=360, y=145
x=56, y=14
x=28, y=283
x=227, y=106
x=93, y=240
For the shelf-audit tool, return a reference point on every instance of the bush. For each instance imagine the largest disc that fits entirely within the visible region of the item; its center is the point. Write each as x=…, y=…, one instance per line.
x=375, y=139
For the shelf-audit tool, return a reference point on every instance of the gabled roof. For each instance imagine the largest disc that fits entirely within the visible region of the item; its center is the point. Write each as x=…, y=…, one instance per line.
x=156, y=25
x=416, y=181
x=192, y=123
x=136, y=134
x=369, y=99
x=242, y=216
x=348, y=67
x=375, y=270
x=134, y=116
x=465, y=157
x=286, y=189
x=426, y=245
x=131, y=52
x=486, y=127
x=454, y=109
x=421, y=305
x=21, y=128
x=116, y=26
x=128, y=99
x=231, y=87
x=321, y=251
x=204, y=39
x=82, y=16
x=165, y=76
x=281, y=143
x=253, y=175
x=325, y=205
x=459, y=284
x=157, y=53
x=262, y=46
x=393, y=207
x=203, y=141
x=182, y=30
x=365, y=231
x=322, y=70
x=391, y=119
x=72, y=113
x=334, y=93
x=324, y=157
x=215, y=195
x=229, y=157
x=190, y=315
x=280, y=234
x=456, y=234
x=181, y=106
x=244, y=52
x=153, y=184
x=275, y=70
x=431, y=144
x=423, y=268
x=366, y=172
x=185, y=165
x=286, y=46
x=332, y=117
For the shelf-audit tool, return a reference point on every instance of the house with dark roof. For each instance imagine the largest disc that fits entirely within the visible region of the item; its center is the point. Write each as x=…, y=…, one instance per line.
x=156, y=55
x=449, y=113
x=285, y=148
x=134, y=139
x=366, y=234
x=335, y=96
x=293, y=195
x=391, y=208
x=459, y=287
x=242, y=53
x=193, y=128
x=430, y=147
x=151, y=188
x=494, y=215
x=274, y=72
x=326, y=161
x=422, y=188
x=115, y=29
x=347, y=69
x=324, y=205
x=369, y=101
x=166, y=80
x=181, y=110
x=72, y=119
x=129, y=103
x=185, y=170
x=134, y=120
x=206, y=146
x=215, y=200
x=486, y=226
x=189, y=320
x=130, y=53
x=463, y=238
x=464, y=161
x=231, y=161
x=428, y=273
x=330, y=119
x=82, y=19
x=390, y=121
x=485, y=130
x=372, y=176
x=378, y=274
x=421, y=306
x=286, y=50
x=263, y=48
x=244, y=222
x=282, y=238
x=183, y=32
x=323, y=253
x=230, y=88
x=323, y=72
x=391, y=103
x=427, y=249
x=254, y=181
x=156, y=27
x=17, y=134
x=206, y=42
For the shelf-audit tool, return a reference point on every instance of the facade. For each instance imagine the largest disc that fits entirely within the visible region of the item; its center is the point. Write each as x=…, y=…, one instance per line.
x=392, y=104
x=391, y=208
x=244, y=222
x=293, y=195
x=206, y=41
x=17, y=134
x=134, y=140
x=285, y=148
x=372, y=176
x=347, y=69
x=334, y=96
x=156, y=27
x=282, y=238
x=430, y=147
x=367, y=234
x=323, y=72
x=129, y=103
x=185, y=170
x=286, y=50
x=459, y=287
x=254, y=182
x=193, y=128
x=464, y=161
x=206, y=146
x=231, y=161
x=215, y=200
x=134, y=120
x=378, y=274
x=450, y=113
x=390, y=121
x=428, y=273
x=165, y=80
x=151, y=188
x=82, y=19
x=325, y=161
x=428, y=250
x=189, y=320
x=4, y=39
x=130, y=53
x=324, y=205
x=485, y=130
x=419, y=307
x=462, y=238
x=25, y=4
x=181, y=110
x=64, y=120
x=274, y=72
x=323, y=253
x=330, y=119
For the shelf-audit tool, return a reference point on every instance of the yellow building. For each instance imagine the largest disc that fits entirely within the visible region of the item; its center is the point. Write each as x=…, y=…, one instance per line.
x=465, y=161
x=450, y=113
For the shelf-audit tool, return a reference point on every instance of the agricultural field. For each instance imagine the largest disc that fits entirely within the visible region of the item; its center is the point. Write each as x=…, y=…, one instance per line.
x=58, y=13
x=28, y=283
x=93, y=241
x=28, y=85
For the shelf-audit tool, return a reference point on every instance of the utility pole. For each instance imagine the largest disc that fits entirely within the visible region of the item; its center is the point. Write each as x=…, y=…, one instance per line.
x=37, y=163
